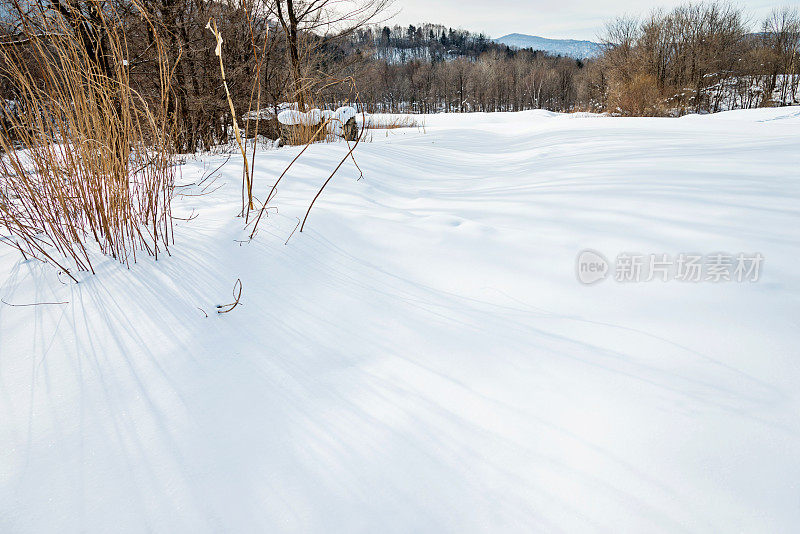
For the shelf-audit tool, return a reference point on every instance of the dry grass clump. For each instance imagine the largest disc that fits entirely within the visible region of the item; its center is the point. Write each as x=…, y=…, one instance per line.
x=302, y=134
x=390, y=122
x=86, y=157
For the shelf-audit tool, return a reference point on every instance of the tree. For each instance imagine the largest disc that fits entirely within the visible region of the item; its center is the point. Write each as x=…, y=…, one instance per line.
x=310, y=24
x=781, y=36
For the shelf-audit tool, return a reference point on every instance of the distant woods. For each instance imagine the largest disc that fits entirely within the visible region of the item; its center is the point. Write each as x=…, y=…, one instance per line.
x=700, y=58
x=431, y=68
x=694, y=58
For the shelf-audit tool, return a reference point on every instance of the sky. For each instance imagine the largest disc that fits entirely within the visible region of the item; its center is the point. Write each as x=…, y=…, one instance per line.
x=556, y=19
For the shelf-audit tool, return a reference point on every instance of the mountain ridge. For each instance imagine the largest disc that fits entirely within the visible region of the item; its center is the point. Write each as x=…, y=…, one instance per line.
x=565, y=47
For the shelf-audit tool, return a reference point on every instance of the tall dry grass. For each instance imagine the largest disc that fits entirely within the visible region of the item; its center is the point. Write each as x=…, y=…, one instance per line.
x=87, y=160
x=303, y=134
x=390, y=122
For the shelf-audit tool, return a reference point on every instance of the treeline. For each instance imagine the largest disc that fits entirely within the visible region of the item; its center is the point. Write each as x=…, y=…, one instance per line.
x=430, y=68
x=700, y=58
x=494, y=81
x=694, y=58
x=425, y=41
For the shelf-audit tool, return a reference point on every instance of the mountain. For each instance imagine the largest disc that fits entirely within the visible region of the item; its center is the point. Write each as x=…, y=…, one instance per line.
x=563, y=47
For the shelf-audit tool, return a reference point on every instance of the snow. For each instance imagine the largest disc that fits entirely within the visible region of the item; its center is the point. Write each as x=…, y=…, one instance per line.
x=345, y=113
x=291, y=117
x=422, y=357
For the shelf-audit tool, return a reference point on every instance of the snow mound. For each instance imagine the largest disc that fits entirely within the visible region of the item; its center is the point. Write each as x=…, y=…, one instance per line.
x=292, y=117
x=345, y=113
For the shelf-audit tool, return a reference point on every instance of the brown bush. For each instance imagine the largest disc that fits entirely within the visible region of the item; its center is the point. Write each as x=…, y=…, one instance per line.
x=638, y=97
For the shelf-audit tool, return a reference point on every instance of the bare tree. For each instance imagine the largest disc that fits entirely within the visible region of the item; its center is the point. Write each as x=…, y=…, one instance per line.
x=309, y=25
x=781, y=35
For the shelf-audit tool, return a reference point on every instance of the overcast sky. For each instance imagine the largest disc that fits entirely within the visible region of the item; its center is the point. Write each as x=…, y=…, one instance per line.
x=562, y=19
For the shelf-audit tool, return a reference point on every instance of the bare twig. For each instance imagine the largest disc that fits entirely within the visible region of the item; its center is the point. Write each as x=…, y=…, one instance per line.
x=237, y=294
x=293, y=231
